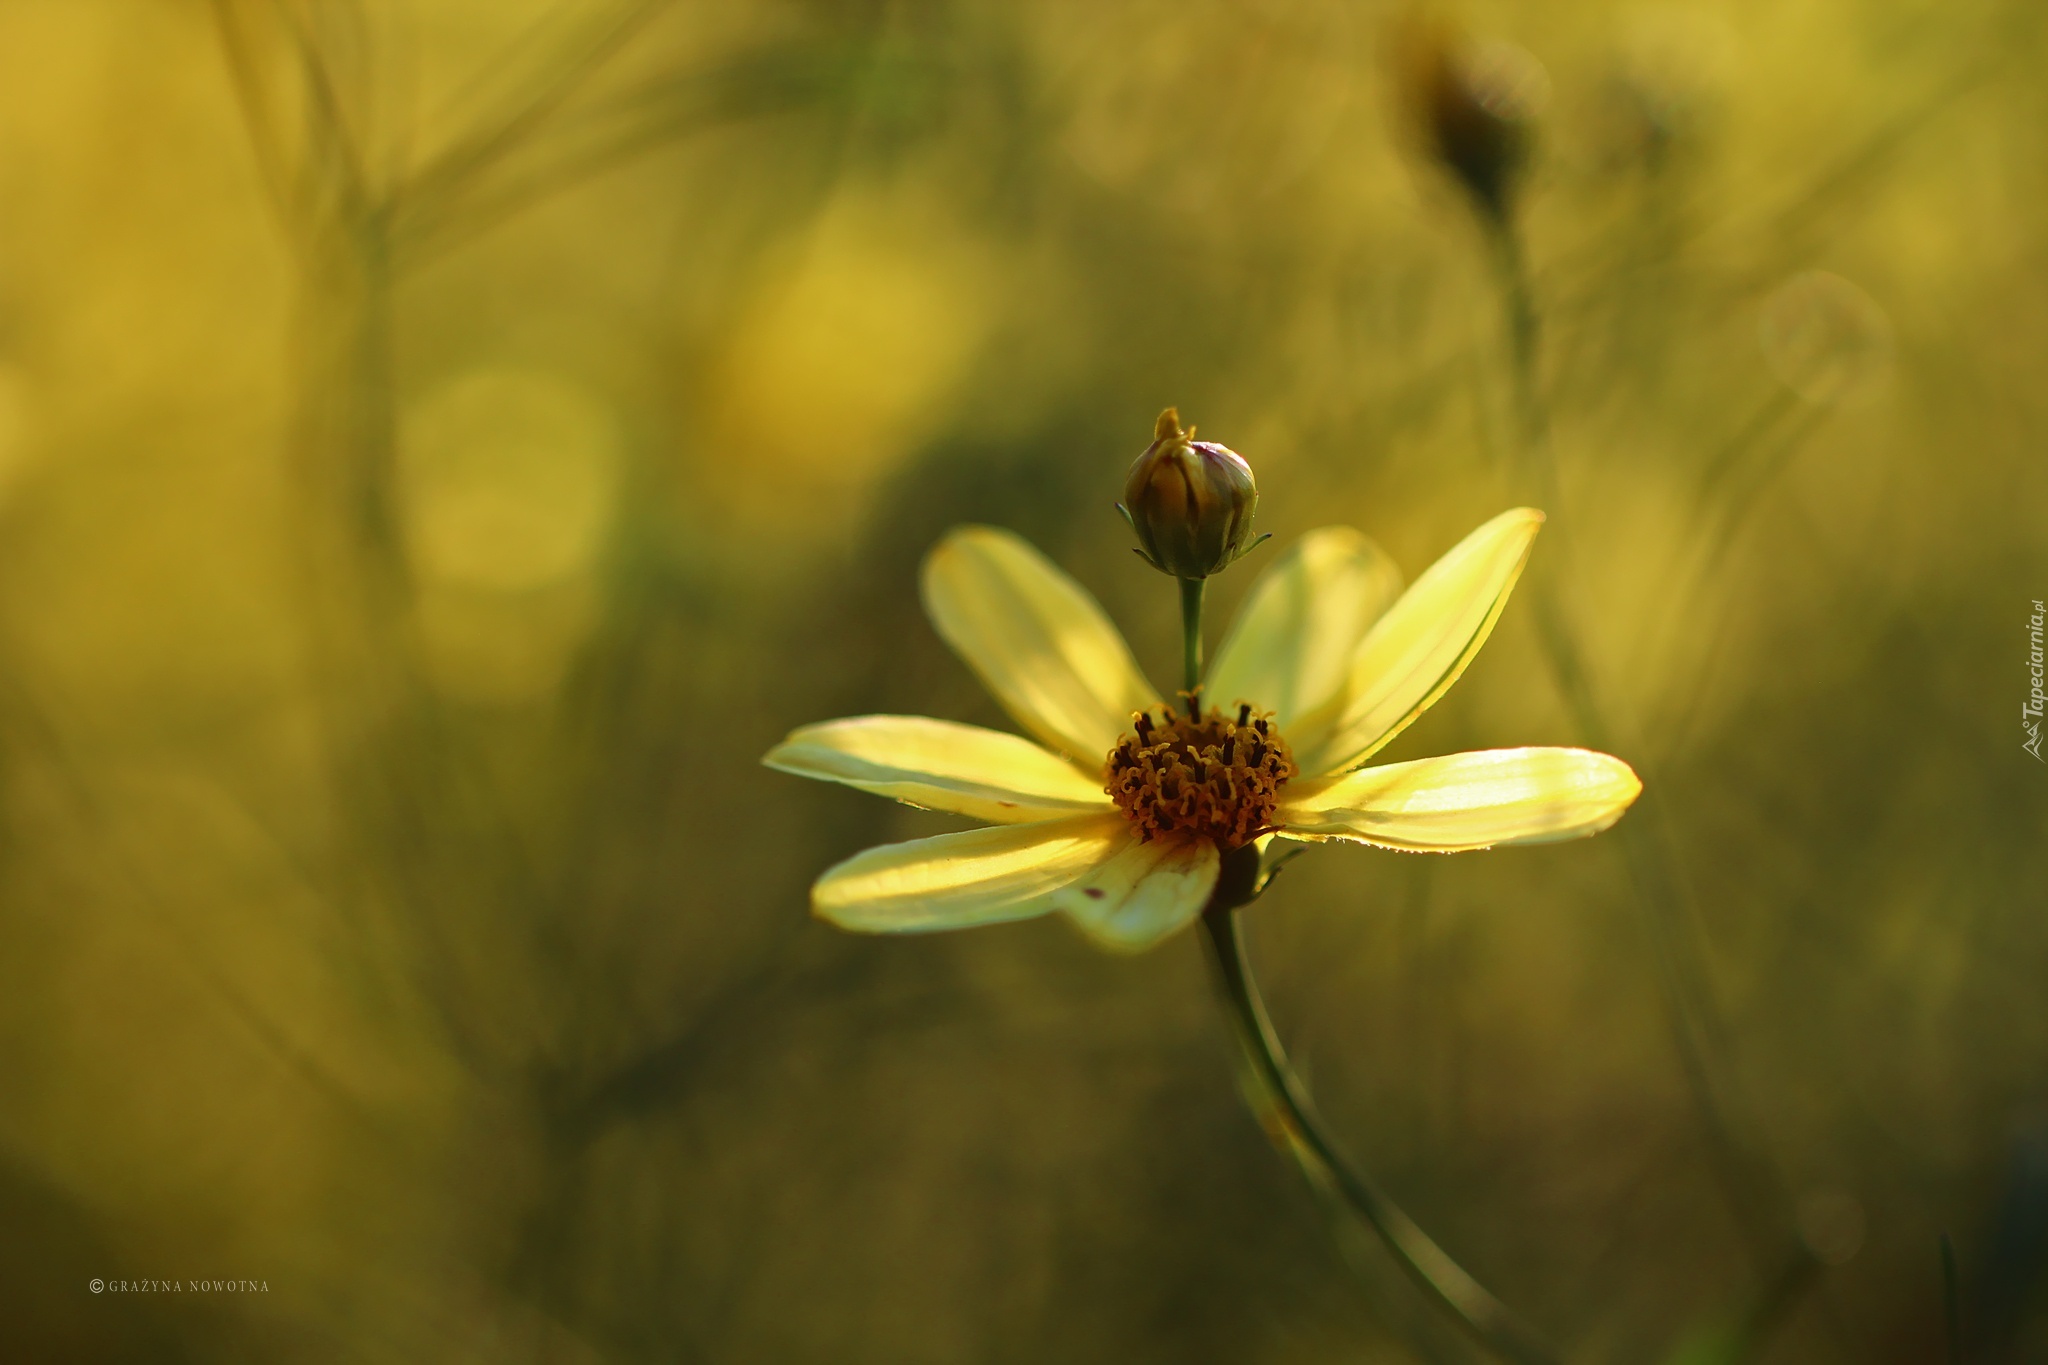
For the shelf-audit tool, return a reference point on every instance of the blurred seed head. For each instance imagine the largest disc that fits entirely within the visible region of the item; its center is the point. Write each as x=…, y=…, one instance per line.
x=1475, y=107
x=1670, y=70
x=1189, y=502
x=1825, y=339
x=874, y=314
x=508, y=479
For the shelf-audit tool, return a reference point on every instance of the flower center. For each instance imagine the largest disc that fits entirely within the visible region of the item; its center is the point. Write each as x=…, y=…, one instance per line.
x=1192, y=776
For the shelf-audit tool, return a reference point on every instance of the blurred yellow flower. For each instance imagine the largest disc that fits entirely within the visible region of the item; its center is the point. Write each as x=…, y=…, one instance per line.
x=1121, y=821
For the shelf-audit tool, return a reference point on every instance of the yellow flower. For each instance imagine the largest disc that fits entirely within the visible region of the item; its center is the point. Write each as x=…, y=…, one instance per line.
x=1121, y=821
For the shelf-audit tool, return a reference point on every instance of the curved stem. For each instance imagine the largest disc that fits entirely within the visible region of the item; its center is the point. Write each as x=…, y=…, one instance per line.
x=1296, y=1127
x=1290, y=1117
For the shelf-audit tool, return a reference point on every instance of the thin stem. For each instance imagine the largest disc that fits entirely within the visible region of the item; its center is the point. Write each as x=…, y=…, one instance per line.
x=445, y=177
x=1191, y=631
x=1751, y=1183
x=1524, y=325
x=259, y=112
x=1736, y=452
x=1299, y=1130
x=1951, y=1302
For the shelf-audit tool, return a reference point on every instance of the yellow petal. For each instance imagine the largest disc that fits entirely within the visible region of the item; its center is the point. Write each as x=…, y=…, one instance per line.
x=1418, y=649
x=941, y=765
x=1464, y=801
x=1143, y=894
x=954, y=881
x=1037, y=639
x=1291, y=647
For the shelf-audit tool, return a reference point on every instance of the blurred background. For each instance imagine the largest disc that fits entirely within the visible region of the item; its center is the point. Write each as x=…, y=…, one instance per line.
x=443, y=444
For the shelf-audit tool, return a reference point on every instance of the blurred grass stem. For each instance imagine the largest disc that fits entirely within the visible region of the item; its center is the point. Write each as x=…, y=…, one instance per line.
x=1951, y=1302
x=1755, y=1192
x=412, y=803
x=1524, y=329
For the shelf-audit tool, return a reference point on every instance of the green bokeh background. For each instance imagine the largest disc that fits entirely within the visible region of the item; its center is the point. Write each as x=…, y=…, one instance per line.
x=444, y=444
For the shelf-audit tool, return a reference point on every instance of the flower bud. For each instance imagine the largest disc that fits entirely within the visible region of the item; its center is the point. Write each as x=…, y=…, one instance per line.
x=1475, y=107
x=1189, y=502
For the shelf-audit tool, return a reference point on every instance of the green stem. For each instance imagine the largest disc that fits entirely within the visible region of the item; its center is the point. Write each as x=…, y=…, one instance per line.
x=1191, y=631
x=1290, y=1115
x=1299, y=1131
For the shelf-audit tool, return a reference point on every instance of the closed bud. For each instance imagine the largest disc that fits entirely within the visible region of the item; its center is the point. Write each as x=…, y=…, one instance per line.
x=1475, y=107
x=1189, y=502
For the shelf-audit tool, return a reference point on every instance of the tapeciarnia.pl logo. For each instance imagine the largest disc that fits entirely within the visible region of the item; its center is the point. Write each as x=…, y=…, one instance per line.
x=2030, y=714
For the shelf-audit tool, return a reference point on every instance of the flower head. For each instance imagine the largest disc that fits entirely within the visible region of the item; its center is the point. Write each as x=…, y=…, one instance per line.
x=1122, y=813
x=1189, y=502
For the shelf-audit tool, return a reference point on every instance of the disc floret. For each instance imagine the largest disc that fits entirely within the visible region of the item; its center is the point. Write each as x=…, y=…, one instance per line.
x=1189, y=775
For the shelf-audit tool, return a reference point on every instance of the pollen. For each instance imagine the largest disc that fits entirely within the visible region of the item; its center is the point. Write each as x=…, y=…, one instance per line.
x=1187, y=775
